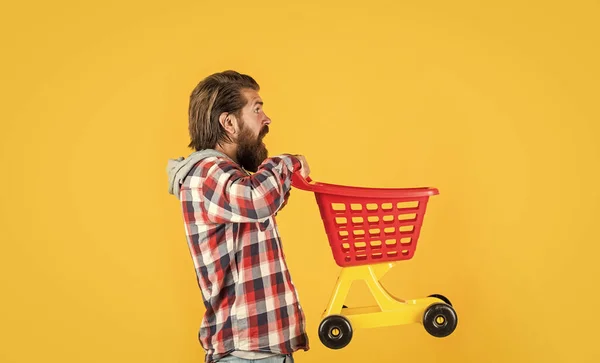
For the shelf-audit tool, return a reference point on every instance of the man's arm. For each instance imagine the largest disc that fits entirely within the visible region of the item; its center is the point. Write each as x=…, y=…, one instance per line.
x=229, y=195
x=285, y=200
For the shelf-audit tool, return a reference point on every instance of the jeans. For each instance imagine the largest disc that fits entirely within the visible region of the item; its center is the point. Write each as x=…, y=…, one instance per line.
x=274, y=359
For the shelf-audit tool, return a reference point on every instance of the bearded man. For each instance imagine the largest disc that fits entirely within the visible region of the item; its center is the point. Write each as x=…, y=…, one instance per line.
x=230, y=192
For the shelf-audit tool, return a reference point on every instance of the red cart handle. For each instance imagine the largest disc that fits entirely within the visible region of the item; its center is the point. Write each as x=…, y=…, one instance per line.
x=299, y=182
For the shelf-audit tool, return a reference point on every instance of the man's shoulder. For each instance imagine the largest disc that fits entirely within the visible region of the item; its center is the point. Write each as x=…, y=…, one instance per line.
x=214, y=164
x=210, y=170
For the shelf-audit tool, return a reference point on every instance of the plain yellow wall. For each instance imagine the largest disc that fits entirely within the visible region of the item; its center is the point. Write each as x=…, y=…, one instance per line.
x=495, y=104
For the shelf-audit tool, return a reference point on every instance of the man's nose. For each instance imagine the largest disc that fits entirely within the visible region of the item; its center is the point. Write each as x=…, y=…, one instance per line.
x=267, y=120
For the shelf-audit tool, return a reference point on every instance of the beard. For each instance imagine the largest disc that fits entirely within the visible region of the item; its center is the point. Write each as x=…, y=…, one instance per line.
x=251, y=151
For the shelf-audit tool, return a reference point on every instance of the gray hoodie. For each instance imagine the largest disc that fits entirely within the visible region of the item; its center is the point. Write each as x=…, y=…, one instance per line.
x=179, y=168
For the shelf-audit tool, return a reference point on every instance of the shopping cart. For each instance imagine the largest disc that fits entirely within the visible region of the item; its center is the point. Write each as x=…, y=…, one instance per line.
x=369, y=230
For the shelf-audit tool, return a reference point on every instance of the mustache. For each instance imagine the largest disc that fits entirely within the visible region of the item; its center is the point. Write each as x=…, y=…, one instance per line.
x=263, y=132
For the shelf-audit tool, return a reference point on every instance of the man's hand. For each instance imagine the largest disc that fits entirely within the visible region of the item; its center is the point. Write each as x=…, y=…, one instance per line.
x=305, y=170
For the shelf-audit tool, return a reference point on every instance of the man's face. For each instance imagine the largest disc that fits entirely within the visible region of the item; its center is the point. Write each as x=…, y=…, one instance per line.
x=254, y=125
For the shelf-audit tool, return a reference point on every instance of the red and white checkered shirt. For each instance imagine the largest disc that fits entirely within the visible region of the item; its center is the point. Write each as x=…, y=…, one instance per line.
x=250, y=299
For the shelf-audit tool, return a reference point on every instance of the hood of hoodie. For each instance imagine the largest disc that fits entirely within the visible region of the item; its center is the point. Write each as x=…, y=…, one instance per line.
x=178, y=169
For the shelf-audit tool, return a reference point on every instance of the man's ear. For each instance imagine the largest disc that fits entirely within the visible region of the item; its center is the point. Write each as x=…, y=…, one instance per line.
x=229, y=122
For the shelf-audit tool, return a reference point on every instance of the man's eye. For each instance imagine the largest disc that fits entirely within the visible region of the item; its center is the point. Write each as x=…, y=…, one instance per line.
x=257, y=110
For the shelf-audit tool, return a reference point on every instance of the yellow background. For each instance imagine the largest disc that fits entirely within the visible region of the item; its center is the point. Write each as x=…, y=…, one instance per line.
x=494, y=103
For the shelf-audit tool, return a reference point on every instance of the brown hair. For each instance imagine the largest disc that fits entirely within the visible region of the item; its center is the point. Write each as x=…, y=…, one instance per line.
x=217, y=93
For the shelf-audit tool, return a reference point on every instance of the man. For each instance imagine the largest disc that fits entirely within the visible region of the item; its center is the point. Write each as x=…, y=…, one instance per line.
x=252, y=307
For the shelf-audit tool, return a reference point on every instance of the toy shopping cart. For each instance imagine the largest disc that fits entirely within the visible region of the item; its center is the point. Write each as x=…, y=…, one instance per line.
x=369, y=230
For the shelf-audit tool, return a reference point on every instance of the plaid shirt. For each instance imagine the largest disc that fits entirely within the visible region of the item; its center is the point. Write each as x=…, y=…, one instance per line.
x=251, y=302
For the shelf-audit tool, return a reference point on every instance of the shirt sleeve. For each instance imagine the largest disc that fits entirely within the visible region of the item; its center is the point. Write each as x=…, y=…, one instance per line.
x=229, y=195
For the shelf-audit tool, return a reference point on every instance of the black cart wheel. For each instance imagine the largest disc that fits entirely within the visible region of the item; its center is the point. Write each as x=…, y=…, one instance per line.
x=441, y=297
x=335, y=332
x=440, y=320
